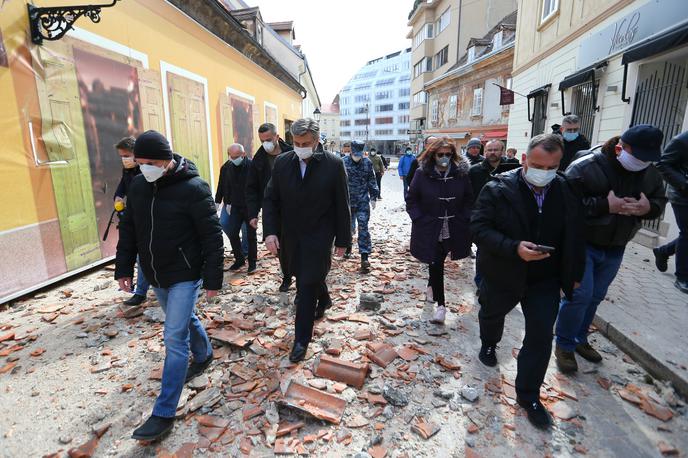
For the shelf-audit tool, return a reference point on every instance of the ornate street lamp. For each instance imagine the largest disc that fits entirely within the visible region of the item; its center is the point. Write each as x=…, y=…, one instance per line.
x=316, y=114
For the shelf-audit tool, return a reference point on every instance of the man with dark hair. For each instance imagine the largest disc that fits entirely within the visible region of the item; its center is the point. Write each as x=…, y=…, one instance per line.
x=473, y=149
x=258, y=177
x=620, y=189
x=125, y=149
x=674, y=169
x=574, y=141
x=306, y=211
x=511, y=156
x=527, y=227
x=172, y=224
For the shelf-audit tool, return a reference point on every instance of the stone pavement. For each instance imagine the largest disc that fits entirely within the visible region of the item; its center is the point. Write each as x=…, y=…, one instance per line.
x=647, y=317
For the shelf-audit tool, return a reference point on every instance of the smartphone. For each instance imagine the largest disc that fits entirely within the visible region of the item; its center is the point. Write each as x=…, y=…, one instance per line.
x=545, y=249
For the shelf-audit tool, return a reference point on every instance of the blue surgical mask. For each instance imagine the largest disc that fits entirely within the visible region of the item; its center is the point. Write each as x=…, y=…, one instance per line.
x=540, y=177
x=570, y=136
x=409, y=152
x=237, y=161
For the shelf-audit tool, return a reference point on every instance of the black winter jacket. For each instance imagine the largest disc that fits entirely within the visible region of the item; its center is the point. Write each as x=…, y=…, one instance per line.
x=172, y=225
x=499, y=223
x=570, y=150
x=258, y=178
x=481, y=173
x=594, y=176
x=231, y=186
x=674, y=168
x=125, y=182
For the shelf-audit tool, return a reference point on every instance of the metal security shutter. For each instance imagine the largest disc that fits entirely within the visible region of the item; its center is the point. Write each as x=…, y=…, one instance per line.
x=583, y=97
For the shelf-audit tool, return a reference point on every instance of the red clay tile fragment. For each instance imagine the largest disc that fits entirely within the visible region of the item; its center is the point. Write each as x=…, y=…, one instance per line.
x=251, y=411
x=231, y=337
x=383, y=355
x=85, y=450
x=605, y=383
x=8, y=336
x=37, y=352
x=314, y=402
x=407, y=353
x=7, y=367
x=425, y=429
x=335, y=348
x=378, y=451
x=339, y=370
x=286, y=428
x=212, y=421
x=448, y=363
x=210, y=433
x=667, y=449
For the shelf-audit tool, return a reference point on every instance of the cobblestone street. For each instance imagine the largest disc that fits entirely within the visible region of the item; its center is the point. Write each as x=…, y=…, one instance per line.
x=77, y=365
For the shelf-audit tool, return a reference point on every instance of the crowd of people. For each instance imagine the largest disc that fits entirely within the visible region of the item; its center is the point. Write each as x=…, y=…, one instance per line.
x=549, y=230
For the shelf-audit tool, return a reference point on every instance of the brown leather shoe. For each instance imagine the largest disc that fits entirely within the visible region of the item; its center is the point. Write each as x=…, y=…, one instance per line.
x=589, y=353
x=566, y=360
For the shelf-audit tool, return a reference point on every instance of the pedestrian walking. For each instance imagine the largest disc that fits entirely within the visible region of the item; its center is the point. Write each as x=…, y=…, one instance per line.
x=306, y=210
x=473, y=151
x=414, y=163
x=379, y=166
x=439, y=203
x=258, y=177
x=527, y=227
x=674, y=168
x=404, y=166
x=231, y=193
x=363, y=193
x=574, y=140
x=493, y=164
x=125, y=149
x=511, y=156
x=619, y=189
x=172, y=225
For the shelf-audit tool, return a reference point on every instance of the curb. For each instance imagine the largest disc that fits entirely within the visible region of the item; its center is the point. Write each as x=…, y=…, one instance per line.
x=658, y=369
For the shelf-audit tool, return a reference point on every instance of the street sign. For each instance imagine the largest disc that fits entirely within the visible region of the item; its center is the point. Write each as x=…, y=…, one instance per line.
x=414, y=132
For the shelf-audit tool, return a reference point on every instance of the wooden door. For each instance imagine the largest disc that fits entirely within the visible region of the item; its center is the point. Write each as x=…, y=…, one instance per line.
x=188, y=121
x=150, y=93
x=227, y=135
x=65, y=141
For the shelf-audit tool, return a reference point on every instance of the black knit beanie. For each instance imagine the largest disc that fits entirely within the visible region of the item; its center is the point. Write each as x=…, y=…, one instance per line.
x=152, y=145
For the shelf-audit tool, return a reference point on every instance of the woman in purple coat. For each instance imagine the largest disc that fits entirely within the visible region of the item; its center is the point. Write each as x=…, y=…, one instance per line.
x=439, y=203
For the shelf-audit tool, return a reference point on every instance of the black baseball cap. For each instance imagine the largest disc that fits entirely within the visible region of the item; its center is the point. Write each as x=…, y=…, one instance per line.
x=357, y=146
x=646, y=141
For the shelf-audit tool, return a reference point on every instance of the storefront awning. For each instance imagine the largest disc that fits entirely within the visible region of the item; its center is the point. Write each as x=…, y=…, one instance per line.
x=458, y=135
x=539, y=91
x=656, y=44
x=496, y=134
x=581, y=76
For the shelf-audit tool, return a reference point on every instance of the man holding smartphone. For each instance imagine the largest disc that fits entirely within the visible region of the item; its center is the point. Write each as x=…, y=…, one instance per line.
x=527, y=227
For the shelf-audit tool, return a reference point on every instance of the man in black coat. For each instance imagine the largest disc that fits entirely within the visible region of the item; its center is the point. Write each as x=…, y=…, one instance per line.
x=259, y=176
x=674, y=169
x=473, y=151
x=171, y=224
x=574, y=141
x=125, y=150
x=620, y=188
x=526, y=225
x=305, y=211
x=231, y=189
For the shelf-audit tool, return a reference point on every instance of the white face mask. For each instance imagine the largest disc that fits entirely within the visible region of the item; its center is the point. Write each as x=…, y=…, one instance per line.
x=356, y=158
x=128, y=162
x=303, y=153
x=152, y=172
x=373, y=153
x=237, y=161
x=269, y=146
x=443, y=161
x=631, y=163
x=540, y=177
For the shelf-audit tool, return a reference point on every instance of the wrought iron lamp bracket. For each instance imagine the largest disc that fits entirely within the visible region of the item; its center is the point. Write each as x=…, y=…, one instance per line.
x=52, y=23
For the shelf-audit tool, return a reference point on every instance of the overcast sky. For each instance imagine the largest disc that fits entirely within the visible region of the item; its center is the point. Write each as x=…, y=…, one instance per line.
x=340, y=36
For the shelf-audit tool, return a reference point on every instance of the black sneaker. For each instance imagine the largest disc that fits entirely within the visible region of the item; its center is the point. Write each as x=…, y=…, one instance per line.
x=661, y=260
x=320, y=310
x=537, y=414
x=681, y=285
x=252, y=267
x=298, y=352
x=238, y=264
x=195, y=369
x=347, y=253
x=488, y=355
x=153, y=429
x=286, y=283
x=134, y=300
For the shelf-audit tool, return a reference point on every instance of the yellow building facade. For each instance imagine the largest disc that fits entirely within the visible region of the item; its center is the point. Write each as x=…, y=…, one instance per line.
x=147, y=64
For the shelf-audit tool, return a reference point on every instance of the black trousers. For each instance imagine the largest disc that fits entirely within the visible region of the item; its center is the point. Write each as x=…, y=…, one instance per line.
x=436, y=279
x=378, y=178
x=238, y=217
x=540, y=305
x=308, y=296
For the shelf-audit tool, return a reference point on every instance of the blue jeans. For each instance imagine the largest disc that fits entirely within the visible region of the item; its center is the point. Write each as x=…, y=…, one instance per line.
x=576, y=315
x=406, y=186
x=182, y=329
x=226, y=223
x=142, y=284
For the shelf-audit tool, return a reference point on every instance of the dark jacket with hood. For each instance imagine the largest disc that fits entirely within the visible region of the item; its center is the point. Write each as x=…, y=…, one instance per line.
x=125, y=182
x=231, y=186
x=480, y=173
x=570, y=150
x=598, y=173
x=500, y=222
x=308, y=214
x=431, y=198
x=172, y=225
x=674, y=168
x=258, y=178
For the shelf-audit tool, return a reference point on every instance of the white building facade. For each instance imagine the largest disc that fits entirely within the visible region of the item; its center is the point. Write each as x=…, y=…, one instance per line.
x=374, y=104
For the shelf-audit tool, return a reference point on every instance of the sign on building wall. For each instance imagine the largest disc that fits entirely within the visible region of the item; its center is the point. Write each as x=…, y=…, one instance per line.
x=630, y=29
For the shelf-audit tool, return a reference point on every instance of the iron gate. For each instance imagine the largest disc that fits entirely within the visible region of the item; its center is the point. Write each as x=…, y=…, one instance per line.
x=583, y=99
x=660, y=100
x=539, y=114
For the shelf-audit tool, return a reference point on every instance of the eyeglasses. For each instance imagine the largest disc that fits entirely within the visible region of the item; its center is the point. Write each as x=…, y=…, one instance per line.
x=444, y=154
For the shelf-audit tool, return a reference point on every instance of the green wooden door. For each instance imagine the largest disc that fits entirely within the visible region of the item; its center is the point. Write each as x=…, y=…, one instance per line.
x=65, y=142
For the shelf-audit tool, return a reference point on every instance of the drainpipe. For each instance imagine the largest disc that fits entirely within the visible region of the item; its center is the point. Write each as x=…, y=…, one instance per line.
x=458, y=38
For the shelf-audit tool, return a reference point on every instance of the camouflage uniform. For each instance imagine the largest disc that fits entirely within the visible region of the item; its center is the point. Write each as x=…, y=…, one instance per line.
x=362, y=186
